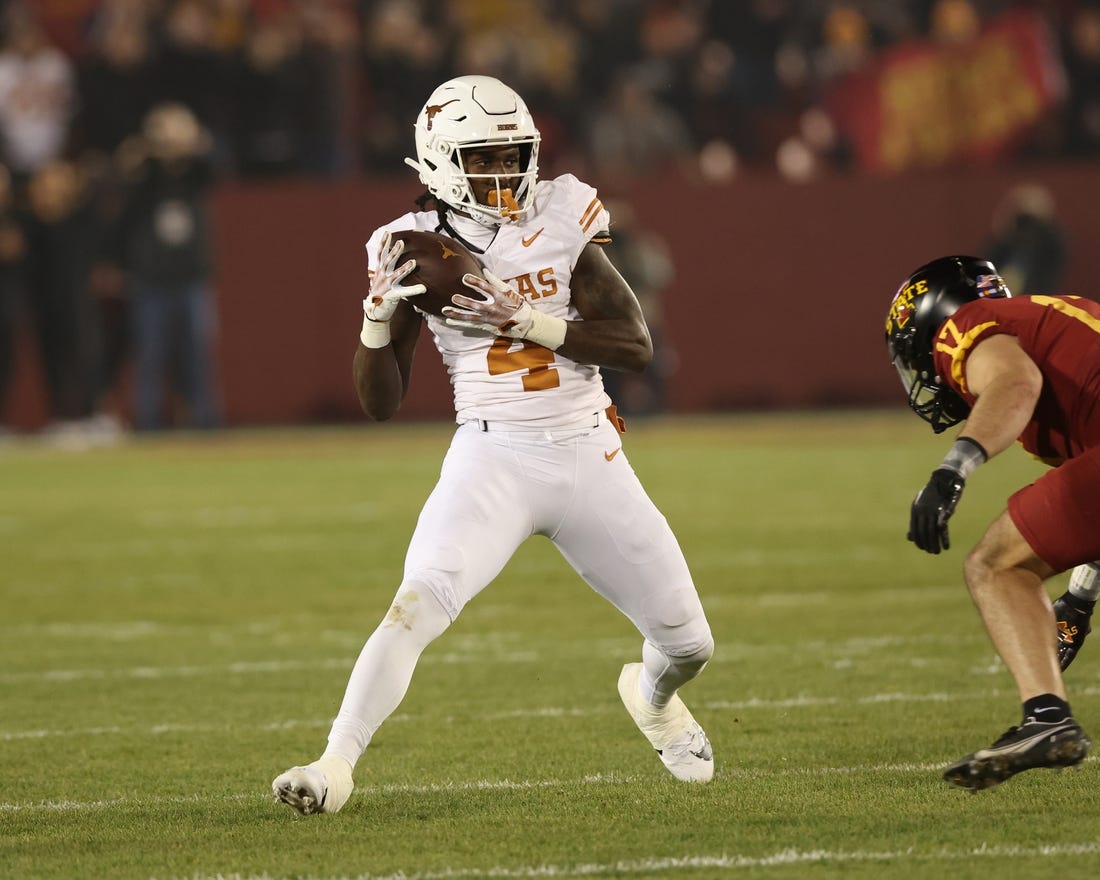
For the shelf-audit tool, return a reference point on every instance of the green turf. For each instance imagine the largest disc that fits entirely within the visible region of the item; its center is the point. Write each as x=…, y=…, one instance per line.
x=180, y=615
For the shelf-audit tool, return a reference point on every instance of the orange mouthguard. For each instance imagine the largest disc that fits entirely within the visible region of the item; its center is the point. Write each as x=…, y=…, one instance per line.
x=504, y=199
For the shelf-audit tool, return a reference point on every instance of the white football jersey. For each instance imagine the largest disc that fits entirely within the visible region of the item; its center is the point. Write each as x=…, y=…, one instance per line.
x=512, y=381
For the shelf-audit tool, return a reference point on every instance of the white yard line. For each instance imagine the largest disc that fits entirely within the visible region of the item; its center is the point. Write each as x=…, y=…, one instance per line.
x=368, y=791
x=800, y=702
x=724, y=862
x=245, y=668
x=459, y=653
x=362, y=792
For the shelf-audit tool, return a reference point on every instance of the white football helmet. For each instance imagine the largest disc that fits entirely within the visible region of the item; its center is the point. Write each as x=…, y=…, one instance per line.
x=472, y=112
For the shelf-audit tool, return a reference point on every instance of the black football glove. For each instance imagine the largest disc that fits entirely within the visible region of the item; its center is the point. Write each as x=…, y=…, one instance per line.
x=1073, y=616
x=932, y=508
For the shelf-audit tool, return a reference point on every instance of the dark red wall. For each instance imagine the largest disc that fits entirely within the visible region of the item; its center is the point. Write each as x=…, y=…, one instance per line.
x=779, y=299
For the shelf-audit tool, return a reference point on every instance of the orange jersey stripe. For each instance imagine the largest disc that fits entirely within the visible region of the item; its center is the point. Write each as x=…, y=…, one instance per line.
x=591, y=213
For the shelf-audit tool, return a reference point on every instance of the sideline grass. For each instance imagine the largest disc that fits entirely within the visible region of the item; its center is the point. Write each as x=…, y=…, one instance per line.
x=180, y=615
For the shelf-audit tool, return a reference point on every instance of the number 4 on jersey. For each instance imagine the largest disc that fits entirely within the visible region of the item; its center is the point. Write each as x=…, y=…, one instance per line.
x=511, y=355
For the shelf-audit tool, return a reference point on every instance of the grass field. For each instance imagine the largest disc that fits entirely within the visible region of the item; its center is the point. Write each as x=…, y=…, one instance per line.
x=180, y=615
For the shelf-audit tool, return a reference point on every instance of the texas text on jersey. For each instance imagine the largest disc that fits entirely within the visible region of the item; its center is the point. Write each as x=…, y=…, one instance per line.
x=511, y=380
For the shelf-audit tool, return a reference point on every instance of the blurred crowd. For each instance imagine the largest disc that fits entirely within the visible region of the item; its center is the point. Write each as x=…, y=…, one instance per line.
x=330, y=87
x=117, y=115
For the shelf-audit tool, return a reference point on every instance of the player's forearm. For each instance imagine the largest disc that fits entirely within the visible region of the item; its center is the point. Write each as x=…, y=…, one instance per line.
x=617, y=343
x=378, y=382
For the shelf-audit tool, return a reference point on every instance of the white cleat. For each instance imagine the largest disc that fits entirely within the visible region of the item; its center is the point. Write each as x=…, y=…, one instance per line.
x=321, y=787
x=679, y=740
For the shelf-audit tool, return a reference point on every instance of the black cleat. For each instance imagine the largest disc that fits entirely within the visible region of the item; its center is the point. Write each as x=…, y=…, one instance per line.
x=1073, y=625
x=1053, y=744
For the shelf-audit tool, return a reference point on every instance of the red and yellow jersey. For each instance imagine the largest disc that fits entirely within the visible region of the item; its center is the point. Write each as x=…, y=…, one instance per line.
x=1061, y=334
x=510, y=380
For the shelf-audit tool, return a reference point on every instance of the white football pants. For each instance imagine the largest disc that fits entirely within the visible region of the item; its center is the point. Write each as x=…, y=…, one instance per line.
x=497, y=489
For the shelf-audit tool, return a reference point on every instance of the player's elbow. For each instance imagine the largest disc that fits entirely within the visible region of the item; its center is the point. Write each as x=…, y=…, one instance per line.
x=378, y=415
x=377, y=409
x=638, y=354
x=1032, y=382
x=1016, y=393
x=638, y=362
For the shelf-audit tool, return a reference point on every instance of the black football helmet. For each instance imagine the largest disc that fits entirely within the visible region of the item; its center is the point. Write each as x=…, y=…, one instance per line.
x=926, y=299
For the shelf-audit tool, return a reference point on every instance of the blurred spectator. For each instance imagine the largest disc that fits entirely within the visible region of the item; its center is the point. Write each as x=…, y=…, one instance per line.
x=401, y=44
x=846, y=40
x=1029, y=246
x=645, y=261
x=544, y=69
x=162, y=243
x=37, y=94
x=1082, y=125
x=230, y=21
x=66, y=21
x=954, y=22
x=115, y=78
x=602, y=25
x=631, y=135
x=267, y=137
x=193, y=69
x=116, y=87
x=718, y=119
x=669, y=35
x=768, y=80
x=13, y=249
x=49, y=198
x=284, y=89
x=328, y=37
x=59, y=231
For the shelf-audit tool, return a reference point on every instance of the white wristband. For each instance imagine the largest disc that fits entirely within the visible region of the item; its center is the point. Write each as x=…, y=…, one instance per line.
x=1084, y=581
x=375, y=334
x=546, y=330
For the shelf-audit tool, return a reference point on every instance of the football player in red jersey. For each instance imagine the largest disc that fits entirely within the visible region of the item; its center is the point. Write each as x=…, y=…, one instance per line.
x=1024, y=369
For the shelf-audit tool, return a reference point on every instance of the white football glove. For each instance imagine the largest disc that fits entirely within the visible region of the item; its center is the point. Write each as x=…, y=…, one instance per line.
x=386, y=289
x=503, y=312
x=386, y=292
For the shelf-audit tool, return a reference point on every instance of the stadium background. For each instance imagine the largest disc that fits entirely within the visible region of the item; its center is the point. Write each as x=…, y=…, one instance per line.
x=796, y=159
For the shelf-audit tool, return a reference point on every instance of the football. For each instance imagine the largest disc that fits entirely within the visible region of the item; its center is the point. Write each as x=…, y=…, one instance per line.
x=440, y=264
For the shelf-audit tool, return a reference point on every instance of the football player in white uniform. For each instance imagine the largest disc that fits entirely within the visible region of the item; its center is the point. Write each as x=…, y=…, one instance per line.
x=537, y=449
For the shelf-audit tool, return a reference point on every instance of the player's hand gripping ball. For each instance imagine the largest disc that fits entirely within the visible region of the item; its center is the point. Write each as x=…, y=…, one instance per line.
x=440, y=264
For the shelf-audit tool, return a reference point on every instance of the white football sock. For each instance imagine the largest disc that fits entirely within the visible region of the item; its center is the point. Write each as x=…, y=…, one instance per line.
x=663, y=675
x=381, y=675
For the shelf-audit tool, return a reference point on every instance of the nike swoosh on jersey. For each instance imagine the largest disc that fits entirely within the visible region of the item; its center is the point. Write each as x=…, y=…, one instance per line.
x=612, y=454
x=527, y=242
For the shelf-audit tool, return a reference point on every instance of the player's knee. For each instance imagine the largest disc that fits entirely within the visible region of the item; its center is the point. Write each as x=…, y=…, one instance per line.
x=676, y=623
x=417, y=610
x=694, y=661
x=442, y=585
x=688, y=646
x=975, y=569
x=984, y=568
x=984, y=562
x=1002, y=550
